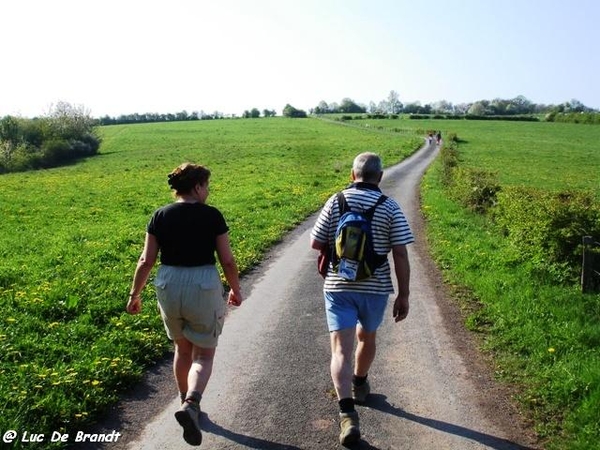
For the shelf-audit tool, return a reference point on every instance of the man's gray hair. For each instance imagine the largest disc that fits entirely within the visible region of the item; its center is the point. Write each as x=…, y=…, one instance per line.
x=368, y=167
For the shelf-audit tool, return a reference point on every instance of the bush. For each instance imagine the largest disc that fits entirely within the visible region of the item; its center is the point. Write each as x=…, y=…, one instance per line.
x=590, y=118
x=475, y=189
x=290, y=111
x=66, y=135
x=20, y=159
x=56, y=152
x=505, y=118
x=453, y=137
x=449, y=158
x=545, y=229
x=86, y=145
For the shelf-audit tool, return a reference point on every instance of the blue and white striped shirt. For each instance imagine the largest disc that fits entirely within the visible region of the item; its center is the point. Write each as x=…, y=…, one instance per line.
x=389, y=227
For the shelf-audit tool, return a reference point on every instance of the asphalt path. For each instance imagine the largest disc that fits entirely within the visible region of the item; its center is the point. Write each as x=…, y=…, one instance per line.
x=271, y=387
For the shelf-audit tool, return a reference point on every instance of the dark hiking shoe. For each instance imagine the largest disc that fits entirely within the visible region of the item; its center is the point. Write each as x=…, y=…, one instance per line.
x=349, y=430
x=189, y=418
x=360, y=393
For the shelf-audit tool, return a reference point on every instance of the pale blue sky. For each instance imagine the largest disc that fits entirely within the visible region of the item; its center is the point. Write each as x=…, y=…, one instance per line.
x=124, y=56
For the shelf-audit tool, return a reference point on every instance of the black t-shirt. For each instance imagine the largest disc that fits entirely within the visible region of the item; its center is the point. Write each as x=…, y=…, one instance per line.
x=187, y=232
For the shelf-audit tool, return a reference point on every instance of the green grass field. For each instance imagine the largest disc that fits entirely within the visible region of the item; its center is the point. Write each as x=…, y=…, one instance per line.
x=544, y=337
x=70, y=238
x=551, y=156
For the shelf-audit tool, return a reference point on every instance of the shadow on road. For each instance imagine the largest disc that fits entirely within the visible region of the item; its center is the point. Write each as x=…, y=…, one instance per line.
x=380, y=403
x=247, y=441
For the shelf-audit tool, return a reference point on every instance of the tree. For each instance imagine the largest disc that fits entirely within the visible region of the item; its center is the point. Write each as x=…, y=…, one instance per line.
x=382, y=108
x=10, y=135
x=322, y=108
x=394, y=103
x=520, y=105
x=461, y=108
x=442, y=107
x=576, y=106
x=349, y=106
x=500, y=106
x=412, y=108
x=290, y=111
x=9, y=129
x=70, y=121
x=477, y=109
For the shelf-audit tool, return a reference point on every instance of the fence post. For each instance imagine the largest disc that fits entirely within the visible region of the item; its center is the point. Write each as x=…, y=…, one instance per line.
x=589, y=270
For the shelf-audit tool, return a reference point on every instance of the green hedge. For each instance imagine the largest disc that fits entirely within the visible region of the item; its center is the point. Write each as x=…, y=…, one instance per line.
x=590, y=118
x=545, y=229
x=474, y=189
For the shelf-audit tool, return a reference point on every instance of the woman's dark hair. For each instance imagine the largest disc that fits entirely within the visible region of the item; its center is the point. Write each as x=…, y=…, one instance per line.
x=186, y=176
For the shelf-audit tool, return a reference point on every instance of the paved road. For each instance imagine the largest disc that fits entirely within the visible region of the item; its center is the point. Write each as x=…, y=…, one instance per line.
x=271, y=387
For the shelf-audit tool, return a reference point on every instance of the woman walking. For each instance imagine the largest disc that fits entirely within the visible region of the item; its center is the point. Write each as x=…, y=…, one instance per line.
x=186, y=234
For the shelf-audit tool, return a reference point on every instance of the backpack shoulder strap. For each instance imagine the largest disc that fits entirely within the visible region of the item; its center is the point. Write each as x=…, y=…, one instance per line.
x=371, y=211
x=344, y=207
x=342, y=203
x=382, y=198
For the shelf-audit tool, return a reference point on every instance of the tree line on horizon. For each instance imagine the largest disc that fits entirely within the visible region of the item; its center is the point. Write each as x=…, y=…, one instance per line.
x=497, y=107
x=67, y=132
x=392, y=105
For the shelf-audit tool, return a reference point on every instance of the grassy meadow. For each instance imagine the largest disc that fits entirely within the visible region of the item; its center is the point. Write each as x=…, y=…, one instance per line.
x=549, y=156
x=70, y=238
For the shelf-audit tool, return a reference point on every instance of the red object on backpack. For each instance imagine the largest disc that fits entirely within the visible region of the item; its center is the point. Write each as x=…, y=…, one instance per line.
x=323, y=261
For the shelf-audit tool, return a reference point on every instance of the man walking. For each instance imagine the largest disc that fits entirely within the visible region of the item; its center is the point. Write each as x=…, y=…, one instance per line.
x=356, y=308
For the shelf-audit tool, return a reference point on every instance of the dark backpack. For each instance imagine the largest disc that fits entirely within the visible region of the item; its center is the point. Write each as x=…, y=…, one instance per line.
x=354, y=258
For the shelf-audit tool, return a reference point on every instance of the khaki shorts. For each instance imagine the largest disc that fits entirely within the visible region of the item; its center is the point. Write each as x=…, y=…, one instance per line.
x=191, y=303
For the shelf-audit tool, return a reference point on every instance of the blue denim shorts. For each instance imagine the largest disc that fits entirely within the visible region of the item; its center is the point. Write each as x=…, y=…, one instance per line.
x=346, y=309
